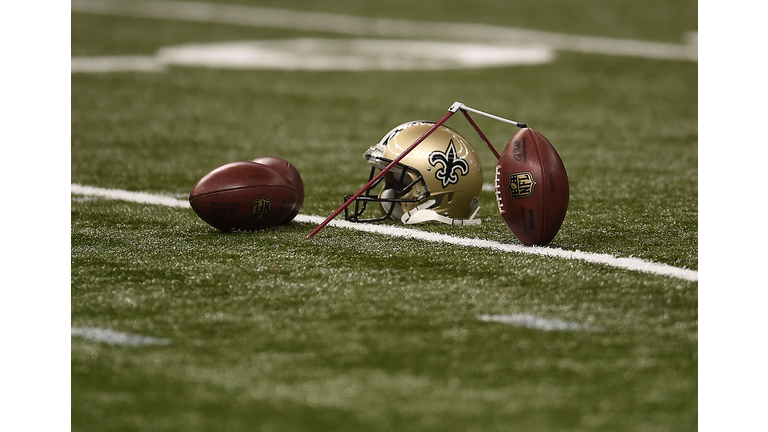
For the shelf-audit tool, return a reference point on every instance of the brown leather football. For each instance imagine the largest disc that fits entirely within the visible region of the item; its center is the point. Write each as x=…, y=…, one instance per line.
x=285, y=168
x=243, y=196
x=532, y=188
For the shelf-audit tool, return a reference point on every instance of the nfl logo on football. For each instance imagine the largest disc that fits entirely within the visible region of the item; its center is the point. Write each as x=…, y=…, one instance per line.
x=521, y=185
x=260, y=208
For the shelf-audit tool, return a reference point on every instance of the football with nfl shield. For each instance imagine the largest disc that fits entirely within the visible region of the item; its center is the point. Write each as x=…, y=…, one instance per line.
x=244, y=196
x=532, y=188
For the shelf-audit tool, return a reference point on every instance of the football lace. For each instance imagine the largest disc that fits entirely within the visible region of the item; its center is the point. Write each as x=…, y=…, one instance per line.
x=497, y=190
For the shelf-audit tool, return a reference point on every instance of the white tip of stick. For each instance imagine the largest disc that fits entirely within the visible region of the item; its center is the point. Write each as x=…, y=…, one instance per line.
x=456, y=106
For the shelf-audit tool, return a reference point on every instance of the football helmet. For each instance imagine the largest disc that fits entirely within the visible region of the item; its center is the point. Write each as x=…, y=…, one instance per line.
x=439, y=180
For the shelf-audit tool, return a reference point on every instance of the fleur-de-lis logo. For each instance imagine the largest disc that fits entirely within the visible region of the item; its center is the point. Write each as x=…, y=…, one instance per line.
x=450, y=162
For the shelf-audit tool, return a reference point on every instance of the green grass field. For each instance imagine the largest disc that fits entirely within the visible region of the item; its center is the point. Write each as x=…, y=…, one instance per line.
x=355, y=331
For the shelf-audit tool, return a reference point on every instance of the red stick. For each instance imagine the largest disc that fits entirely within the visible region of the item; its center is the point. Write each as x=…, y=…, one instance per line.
x=479, y=132
x=380, y=175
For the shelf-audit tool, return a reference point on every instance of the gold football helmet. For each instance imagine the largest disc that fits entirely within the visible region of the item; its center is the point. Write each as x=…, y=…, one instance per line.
x=439, y=180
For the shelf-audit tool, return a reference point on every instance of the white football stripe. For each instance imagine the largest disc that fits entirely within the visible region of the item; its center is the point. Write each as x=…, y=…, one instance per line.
x=138, y=197
x=381, y=27
x=634, y=264
x=113, y=337
x=351, y=55
x=532, y=321
x=321, y=55
x=116, y=64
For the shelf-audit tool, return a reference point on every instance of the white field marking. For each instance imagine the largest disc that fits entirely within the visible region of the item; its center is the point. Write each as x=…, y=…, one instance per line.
x=113, y=337
x=123, y=195
x=322, y=54
x=351, y=55
x=116, y=64
x=381, y=27
x=532, y=321
x=633, y=264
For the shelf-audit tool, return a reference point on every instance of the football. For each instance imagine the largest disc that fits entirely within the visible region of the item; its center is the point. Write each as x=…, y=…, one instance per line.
x=243, y=196
x=532, y=188
x=285, y=168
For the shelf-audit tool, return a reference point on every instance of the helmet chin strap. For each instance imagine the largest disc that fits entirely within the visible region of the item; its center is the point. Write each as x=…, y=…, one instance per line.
x=422, y=213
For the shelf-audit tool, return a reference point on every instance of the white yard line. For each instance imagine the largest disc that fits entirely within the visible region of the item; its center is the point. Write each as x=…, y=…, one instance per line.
x=633, y=264
x=113, y=337
x=539, y=323
x=123, y=195
x=381, y=27
x=107, y=64
x=322, y=55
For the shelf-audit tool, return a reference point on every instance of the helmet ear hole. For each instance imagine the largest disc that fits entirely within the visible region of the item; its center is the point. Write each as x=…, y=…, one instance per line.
x=385, y=206
x=449, y=198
